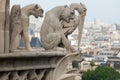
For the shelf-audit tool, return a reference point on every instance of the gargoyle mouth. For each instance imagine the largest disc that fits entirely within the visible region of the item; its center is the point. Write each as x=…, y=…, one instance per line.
x=36, y=16
x=68, y=20
x=41, y=15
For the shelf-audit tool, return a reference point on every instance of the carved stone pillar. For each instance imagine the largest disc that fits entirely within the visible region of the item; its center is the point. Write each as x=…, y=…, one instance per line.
x=2, y=22
x=4, y=25
x=6, y=33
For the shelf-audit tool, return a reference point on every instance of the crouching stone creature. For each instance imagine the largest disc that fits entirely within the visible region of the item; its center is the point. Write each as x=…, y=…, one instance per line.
x=19, y=23
x=51, y=32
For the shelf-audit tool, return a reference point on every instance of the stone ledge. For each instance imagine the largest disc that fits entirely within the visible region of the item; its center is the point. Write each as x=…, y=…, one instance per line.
x=26, y=60
x=34, y=53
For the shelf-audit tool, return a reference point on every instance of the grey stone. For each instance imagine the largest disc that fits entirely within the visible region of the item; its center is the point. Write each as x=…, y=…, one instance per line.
x=20, y=23
x=4, y=26
x=7, y=26
x=51, y=32
x=81, y=8
x=2, y=22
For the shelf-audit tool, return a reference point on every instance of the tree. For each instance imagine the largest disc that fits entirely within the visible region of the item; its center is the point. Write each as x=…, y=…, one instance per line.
x=101, y=73
x=92, y=63
x=75, y=64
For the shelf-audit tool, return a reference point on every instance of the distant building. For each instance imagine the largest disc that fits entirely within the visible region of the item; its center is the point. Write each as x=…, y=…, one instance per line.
x=88, y=58
x=85, y=65
x=114, y=62
x=102, y=57
x=118, y=27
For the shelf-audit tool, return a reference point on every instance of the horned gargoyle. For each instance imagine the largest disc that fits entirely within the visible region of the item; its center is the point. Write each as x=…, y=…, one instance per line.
x=81, y=8
x=19, y=23
x=68, y=28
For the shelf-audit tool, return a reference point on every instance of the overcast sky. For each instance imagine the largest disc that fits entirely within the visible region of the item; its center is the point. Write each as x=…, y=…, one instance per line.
x=107, y=11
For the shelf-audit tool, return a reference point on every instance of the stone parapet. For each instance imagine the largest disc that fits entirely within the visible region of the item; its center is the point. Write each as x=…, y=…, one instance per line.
x=24, y=60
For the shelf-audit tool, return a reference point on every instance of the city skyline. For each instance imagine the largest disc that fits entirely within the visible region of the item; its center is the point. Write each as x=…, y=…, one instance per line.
x=106, y=10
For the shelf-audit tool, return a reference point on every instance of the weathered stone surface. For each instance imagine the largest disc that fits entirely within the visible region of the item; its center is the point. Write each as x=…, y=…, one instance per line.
x=81, y=8
x=4, y=76
x=34, y=53
x=69, y=77
x=2, y=22
x=22, y=64
x=4, y=26
x=51, y=32
x=7, y=25
x=15, y=27
x=60, y=72
x=20, y=23
x=1, y=41
x=68, y=28
x=49, y=74
x=25, y=60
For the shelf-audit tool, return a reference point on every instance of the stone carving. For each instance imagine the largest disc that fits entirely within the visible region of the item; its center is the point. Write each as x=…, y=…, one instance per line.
x=14, y=76
x=5, y=76
x=15, y=27
x=41, y=74
x=81, y=8
x=32, y=75
x=20, y=23
x=23, y=75
x=51, y=31
x=77, y=22
x=62, y=70
x=38, y=65
x=68, y=28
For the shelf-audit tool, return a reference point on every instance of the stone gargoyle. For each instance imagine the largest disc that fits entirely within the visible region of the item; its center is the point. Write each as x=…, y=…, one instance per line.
x=51, y=32
x=19, y=24
x=68, y=28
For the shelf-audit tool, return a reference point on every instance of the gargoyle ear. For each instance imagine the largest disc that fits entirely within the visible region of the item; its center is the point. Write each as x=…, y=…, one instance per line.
x=65, y=6
x=81, y=3
x=36, y=6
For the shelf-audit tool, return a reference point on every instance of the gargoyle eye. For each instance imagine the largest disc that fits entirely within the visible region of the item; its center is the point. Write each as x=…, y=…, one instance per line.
x=72, y=12
x=85, y=10
x=41, y=10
